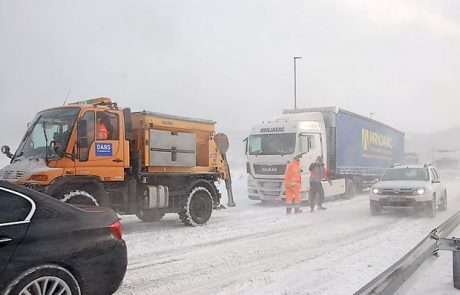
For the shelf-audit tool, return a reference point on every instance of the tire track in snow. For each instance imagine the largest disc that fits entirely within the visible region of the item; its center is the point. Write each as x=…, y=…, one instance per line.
x=259, y=262
x=263, y=261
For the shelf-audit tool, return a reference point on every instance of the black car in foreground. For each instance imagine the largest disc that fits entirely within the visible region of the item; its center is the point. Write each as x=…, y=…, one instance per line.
x=49, y=247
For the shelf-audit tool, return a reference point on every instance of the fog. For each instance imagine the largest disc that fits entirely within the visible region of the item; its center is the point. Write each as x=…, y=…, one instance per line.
x=232, y=61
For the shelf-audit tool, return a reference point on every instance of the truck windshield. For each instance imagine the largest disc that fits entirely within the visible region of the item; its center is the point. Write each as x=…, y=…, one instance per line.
x=406, y=174
x=48, y=134
x=272, y=144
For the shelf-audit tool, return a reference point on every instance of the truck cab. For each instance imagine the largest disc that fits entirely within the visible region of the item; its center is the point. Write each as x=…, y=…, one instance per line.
x=271, y=146
x=62, y=142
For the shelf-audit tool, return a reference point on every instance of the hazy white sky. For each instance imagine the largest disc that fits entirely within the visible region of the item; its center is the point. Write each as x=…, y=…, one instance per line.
x=231, y=61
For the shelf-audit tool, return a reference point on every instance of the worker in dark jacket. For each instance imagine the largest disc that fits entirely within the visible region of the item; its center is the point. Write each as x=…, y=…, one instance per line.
x=318, y=172
x=292, y=184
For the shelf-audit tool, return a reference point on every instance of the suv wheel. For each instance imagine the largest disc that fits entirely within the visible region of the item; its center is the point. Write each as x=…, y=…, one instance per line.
x=443, y=205
x=432, y=208
x=376, y=209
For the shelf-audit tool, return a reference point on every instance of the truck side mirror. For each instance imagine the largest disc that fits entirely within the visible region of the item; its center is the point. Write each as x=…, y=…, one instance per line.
x=129, y=133
x=6, y=150
x=82, y=133
x=82, y=128
x=246, y=145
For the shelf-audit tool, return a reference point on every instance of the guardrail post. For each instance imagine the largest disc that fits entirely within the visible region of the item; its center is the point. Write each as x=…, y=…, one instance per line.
x=456, y=264
x=454, y=246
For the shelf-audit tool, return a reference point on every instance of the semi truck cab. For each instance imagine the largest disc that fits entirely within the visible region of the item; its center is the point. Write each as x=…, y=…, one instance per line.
x=271, y=146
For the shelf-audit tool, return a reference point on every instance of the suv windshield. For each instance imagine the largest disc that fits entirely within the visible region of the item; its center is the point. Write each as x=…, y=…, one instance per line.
x=272, y=144
x=48, y=134
x=406, y=174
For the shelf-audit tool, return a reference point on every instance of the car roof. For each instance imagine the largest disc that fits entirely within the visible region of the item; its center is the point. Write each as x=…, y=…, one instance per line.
x=410, y=167
x=37, y=197
x=44, y=200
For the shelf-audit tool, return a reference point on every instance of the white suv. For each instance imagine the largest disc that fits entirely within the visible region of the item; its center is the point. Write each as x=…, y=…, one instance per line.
x=417, y=186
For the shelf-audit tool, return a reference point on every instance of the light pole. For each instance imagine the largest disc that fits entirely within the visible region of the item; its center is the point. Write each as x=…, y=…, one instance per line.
x=295, y=81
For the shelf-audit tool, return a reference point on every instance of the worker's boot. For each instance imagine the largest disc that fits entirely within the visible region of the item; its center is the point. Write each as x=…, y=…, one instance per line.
x=297, y=210
x=288, y=210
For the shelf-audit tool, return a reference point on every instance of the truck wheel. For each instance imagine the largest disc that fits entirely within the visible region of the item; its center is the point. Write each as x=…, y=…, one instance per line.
x=349, y=188
x=443, y=205
x=150, y=215
x=376, y=209
x=199, y=207
x=80, y=197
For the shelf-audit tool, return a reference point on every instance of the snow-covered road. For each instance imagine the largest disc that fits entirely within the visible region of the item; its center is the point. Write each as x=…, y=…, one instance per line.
x=257, y=249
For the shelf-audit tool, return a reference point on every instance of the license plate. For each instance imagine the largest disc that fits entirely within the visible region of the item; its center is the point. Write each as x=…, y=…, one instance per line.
x=397, y=199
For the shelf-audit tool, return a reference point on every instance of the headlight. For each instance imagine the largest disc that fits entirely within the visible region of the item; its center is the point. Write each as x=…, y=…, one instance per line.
x=420, y=191
x=375, y=191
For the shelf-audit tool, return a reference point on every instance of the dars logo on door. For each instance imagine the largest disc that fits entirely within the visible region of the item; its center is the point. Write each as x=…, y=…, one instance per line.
x=103, y=149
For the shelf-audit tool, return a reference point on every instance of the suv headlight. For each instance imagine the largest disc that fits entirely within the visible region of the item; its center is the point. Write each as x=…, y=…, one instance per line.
x=376, y=191
x=420, y=191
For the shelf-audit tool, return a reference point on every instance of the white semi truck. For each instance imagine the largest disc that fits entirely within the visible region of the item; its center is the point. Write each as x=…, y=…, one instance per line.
x=356, y=151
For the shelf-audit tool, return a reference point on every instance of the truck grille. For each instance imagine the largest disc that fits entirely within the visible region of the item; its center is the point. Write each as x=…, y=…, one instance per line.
x=271, y=193
x=13, y=175
x=270, y=184
x=269, y=169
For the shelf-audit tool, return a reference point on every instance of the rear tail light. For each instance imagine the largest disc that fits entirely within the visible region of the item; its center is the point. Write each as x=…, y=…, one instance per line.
x=115, y=228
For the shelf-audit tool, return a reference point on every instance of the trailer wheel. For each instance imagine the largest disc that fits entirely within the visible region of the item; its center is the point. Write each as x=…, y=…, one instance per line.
x=349, y=188
x=150, y=215
x=198, y=209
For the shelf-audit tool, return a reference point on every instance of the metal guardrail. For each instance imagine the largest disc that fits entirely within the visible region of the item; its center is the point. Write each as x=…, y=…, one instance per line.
x=392, y=279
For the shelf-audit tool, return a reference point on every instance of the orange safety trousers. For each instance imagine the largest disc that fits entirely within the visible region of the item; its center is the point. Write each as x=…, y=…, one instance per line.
x=292, y=182
x=293, y=195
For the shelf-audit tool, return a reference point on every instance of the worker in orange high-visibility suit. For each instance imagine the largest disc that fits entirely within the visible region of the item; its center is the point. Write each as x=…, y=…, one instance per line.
x=102, y=132
x=292, y=183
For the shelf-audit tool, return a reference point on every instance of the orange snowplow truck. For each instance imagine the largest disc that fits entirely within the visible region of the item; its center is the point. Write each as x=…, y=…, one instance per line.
x=149, y=164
